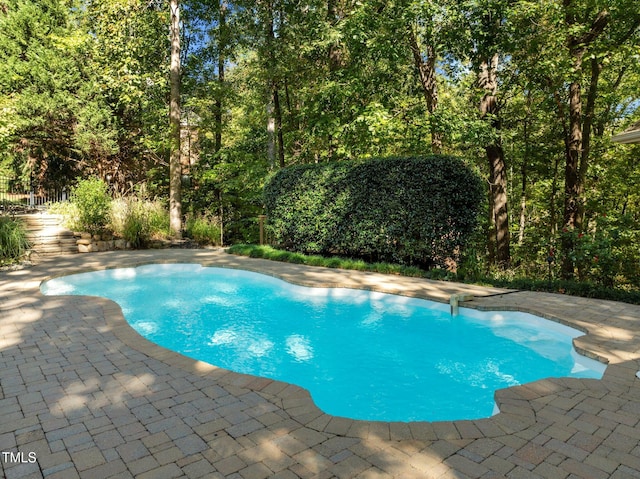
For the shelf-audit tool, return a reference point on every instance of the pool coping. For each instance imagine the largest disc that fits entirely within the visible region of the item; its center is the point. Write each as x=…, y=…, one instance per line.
x=516, y=404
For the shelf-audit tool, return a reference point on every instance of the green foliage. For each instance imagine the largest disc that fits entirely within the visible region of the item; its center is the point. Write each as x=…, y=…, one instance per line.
x=127, y=60
x=69, y=212
x=84, y=90
x=39, y=82
x=13, y=240
x=134, y=230
x=505, y=280
x=92, y=200
x=138, y=220
x=204, y=230
x=404, y=210
x=606, y=253
x=268, y=252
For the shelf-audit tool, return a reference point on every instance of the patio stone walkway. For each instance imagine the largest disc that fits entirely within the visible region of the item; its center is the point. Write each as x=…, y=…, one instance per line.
x=83, y=395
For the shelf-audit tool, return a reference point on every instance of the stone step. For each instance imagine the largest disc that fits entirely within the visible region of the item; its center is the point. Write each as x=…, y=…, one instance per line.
x=54, y=252
x=47, y=236
x=57, y=243
x=37, y=235
x=40, y=219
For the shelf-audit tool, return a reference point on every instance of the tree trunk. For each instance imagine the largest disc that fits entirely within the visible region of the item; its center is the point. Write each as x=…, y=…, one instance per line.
x=175, y=167
x=274, y=112
x=573, y=190
x=271, y=134
x=487, y=80
x=498, y=189
x=553, y=214
x=271, y=120
x=523, y=174
x=571, y=178
x=587, y=126
x=334, y=52
x=334, y=57
x=523, y=207
x=573, y=185
x=221, y=218
x=491, y=231
x=221, y=59
x=278, y=124
x=427, y=73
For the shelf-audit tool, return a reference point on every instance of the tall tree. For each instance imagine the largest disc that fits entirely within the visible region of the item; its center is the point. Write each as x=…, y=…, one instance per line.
x=53, y=121
x=486, y=22
x=426, y=67
x=128, y=56
x=432, y=29
x=223, y=40
x=175, y=166
x=490, y=111
x=577, y=41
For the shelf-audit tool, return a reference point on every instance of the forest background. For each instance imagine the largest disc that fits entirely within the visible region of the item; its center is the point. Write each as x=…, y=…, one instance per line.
x=528, y=93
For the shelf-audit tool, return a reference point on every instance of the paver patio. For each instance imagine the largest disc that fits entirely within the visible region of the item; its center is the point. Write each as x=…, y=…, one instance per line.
x=88, y=397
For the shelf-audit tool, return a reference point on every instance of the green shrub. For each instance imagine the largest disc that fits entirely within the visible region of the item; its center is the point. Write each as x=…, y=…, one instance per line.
x=204, y=229
x=138, y=221
x=135, y=231
x=93, y=202
x=128, y=221
x=401, y=210
x=157, y=216
x=120, y=208
x=315, y=260
x=257, y=253
x=13, y=239
x=70, y=213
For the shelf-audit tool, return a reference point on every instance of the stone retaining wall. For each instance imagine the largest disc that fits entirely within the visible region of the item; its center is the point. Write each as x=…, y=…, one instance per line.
x=88, y=243
x=48, y=237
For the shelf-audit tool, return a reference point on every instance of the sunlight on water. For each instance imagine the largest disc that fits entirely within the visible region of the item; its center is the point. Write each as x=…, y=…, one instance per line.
x=361, y=354
x=299, y=347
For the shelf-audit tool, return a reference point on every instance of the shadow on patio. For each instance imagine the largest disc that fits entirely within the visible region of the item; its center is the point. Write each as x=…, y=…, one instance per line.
x=93, y=399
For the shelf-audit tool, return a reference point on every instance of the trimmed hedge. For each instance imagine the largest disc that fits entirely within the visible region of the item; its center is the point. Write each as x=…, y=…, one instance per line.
x=418, y=210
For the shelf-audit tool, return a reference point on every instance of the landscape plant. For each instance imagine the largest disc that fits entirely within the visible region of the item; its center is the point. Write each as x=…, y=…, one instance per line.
x=13, y=239
x=138, y=220
x=577, y=288
x=93, y=202
x=203, y=229
x=69, y=212
x=530, y=94
x=412, y=211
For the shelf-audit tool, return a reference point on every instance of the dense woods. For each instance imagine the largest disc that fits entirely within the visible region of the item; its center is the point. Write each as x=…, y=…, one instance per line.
x=528, y=93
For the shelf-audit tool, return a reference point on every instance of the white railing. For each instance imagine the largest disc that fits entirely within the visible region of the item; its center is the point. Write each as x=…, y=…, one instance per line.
x=14, y=195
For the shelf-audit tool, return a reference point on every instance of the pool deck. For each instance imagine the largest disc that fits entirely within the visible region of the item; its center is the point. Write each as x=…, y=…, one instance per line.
x=83, y=395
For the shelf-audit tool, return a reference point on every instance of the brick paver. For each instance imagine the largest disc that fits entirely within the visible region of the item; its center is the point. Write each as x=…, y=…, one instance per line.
x=89, y=398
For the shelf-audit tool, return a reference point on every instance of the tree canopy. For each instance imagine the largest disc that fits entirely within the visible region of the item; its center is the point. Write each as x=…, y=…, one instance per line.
x=528, y=93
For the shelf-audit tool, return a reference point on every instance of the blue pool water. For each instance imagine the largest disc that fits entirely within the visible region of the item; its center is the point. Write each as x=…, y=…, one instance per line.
x=361, y=354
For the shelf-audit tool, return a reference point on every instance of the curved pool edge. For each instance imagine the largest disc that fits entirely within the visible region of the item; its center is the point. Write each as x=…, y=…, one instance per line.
x=516, y=412
x=517, y=409
x=581, y=344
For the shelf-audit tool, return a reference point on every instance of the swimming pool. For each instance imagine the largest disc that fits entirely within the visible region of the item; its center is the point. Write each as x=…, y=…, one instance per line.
x=361, y=354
